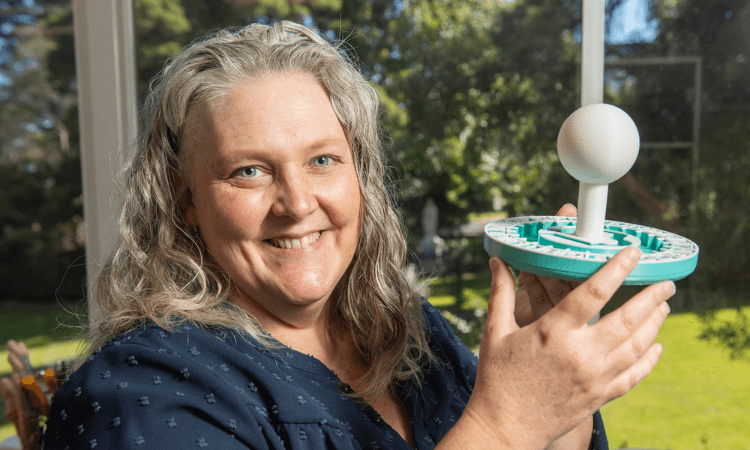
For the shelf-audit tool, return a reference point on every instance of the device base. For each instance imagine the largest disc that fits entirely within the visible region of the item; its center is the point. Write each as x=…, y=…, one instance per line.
x=546, y=245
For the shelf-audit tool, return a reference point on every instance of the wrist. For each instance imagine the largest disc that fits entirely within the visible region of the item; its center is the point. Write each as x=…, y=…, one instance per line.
x=478, y=429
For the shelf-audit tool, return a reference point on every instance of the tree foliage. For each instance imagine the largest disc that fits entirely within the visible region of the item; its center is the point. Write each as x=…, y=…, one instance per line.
x=473, y=95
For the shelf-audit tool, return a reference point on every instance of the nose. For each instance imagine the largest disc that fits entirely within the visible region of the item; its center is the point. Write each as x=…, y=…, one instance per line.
x=296, y=197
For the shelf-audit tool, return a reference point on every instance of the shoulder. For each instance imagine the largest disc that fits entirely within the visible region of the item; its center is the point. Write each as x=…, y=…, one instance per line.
x=439, y=331
x=141, y=388
x=180, y=389
x=448, y=347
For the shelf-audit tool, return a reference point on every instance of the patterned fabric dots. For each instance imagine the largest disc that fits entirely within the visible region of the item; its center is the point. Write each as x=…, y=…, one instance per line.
x=275, y=399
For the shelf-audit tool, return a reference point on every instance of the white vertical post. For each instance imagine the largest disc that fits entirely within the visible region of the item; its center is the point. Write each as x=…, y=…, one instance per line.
x=107, y=115
x=592, y=198
x=592, y=52
x=592, y=91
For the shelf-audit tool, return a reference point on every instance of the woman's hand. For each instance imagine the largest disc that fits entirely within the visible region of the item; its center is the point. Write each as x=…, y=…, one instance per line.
x=536, y=383
x=537, y=294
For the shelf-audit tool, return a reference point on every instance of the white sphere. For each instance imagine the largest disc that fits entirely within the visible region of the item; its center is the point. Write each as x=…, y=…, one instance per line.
x=598, y=143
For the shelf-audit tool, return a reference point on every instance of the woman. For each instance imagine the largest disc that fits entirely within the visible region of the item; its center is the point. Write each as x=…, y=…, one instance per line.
x=257, y=301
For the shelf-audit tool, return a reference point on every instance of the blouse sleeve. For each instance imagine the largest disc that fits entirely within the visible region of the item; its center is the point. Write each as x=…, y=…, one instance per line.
x=130, y=396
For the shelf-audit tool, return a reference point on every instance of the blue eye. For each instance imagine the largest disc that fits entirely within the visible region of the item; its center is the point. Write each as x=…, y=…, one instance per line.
x=250, y=172
x=322, y=161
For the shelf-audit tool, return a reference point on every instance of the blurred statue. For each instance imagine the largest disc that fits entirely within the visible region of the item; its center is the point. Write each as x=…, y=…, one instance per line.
x=431, y=246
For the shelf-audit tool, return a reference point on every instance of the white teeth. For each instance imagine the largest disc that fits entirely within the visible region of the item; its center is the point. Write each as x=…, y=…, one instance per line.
x=304, y=242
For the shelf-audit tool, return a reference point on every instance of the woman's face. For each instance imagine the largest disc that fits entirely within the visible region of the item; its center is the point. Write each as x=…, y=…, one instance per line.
x=275, y=193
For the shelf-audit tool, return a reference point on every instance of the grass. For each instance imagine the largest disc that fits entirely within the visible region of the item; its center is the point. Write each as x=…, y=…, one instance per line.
x=696, y=398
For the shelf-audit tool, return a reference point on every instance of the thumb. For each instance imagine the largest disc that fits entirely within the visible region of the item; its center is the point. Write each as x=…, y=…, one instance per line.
x=500, y=313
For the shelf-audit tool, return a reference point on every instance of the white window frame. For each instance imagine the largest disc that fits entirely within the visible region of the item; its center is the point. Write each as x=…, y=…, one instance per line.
x=108, y=117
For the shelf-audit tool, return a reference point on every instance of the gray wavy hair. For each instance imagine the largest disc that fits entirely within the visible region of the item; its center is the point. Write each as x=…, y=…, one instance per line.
x=161, y=273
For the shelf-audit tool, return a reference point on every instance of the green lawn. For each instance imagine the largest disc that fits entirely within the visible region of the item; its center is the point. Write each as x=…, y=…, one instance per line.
x=696, y=398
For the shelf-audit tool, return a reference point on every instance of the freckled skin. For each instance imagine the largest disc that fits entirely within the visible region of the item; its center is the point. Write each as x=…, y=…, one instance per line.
x=270, y=160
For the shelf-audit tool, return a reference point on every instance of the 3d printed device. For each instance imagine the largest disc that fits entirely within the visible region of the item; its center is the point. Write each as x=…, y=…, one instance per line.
x=597, y=145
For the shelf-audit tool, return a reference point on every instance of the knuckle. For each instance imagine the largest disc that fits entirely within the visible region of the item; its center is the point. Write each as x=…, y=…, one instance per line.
x=595, y=291
x=638, y=348
x=629, y=321
x=560, y=290
x=546, y=333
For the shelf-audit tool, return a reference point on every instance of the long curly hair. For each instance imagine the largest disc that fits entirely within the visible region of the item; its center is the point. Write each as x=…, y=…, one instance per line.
x=162, y=273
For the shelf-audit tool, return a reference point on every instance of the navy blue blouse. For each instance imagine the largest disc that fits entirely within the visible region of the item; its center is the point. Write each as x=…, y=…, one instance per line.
x=154, y=389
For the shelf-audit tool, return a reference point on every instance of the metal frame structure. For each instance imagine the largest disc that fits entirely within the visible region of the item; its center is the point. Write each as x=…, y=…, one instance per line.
x=694, y=145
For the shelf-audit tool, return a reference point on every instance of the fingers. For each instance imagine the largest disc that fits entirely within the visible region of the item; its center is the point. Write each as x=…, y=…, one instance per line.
x=554, y=291
x=531, y=284
x=590, y=297
x=567, y=210
x=628, y=379
x=500, y=319
x=629, y=318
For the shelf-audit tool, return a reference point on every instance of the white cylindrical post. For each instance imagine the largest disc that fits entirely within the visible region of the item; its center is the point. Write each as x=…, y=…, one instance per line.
x=592, y=206
x=592, y=198
x=592, y=52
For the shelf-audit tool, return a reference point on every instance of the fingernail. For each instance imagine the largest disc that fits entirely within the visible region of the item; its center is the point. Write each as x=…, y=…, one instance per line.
x=670, y=289
x=493, y=264
x=634, y=254
x=665, y=308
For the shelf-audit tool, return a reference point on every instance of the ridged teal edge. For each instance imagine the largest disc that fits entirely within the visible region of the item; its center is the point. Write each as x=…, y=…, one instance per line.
x=562, y=268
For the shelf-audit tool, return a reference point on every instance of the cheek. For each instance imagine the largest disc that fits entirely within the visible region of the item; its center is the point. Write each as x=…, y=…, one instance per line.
x=226, y=217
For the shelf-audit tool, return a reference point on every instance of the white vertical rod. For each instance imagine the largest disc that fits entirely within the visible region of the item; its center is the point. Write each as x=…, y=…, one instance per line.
x=592, y=199
x=107, y=115
x=592, y=206
x=592, y=52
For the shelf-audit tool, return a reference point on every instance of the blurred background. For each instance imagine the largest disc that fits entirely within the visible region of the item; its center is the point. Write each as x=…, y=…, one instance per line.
x=473, y=95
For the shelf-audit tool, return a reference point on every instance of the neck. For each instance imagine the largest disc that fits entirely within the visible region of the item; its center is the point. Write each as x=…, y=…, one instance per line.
x=307, y=329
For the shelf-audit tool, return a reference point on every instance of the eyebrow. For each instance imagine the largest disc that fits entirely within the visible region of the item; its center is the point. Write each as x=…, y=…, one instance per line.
x=245, y=153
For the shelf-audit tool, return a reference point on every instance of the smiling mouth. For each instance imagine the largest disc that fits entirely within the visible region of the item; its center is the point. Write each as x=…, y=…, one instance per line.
x=303, y=242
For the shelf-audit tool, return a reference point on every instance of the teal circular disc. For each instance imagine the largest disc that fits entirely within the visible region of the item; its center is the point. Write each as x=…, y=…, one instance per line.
x=546, y=245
